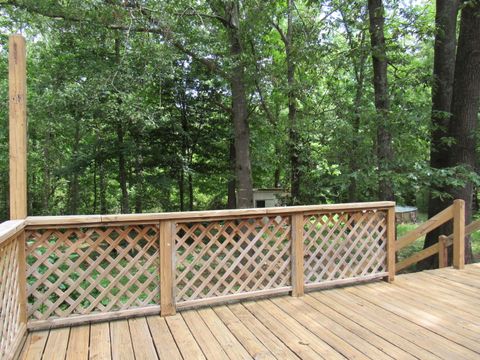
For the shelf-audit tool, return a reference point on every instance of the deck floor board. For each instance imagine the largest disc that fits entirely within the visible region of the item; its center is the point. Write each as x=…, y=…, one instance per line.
x=428, y=315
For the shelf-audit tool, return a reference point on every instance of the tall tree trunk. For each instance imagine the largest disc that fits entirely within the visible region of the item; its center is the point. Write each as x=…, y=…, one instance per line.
x=243, y=168
x=122, y=168
x=442, y=88
x=231, y=185
x=190, y=191
x=465, y=104
x=94, y=185
x=294, y=138
x=103, y=187
x=382, y=104
x=74, y=186
x=139, y=181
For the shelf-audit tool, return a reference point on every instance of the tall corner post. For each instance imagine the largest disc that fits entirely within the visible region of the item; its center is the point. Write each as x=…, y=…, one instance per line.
x=459, y=234
x=391, y=248
x=167, y=264
x=17, y=100
x=298, y=288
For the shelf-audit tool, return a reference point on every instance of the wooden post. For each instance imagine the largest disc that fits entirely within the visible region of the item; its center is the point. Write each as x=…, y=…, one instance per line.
x=391, y=230
x=17, y=95
x=22, y=277
x=297, y=255
x=167, y=263
x=459, y=234
x=442, y=251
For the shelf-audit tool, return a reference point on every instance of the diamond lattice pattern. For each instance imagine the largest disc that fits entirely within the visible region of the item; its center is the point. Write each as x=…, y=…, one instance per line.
x=231, y=257
x=78, y=271
x=10, y=325
x=344, y=245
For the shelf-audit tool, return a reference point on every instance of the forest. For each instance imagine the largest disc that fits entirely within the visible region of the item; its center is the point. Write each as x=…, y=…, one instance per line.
x=158, y=105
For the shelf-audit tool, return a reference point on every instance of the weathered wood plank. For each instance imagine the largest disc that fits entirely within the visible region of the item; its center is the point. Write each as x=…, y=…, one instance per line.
x=141, y=339
x=185, y=341
x=57, y=343
x=100, y=344
x=163, y=339
x=122, y=348
x=17, y=96
x=79, y=343
x=35, y=345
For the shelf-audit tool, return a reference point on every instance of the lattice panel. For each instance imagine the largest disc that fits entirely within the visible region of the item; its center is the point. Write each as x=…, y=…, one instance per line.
x=344, y=245
x=10, y=324
x=231, y=257
x=77, y=271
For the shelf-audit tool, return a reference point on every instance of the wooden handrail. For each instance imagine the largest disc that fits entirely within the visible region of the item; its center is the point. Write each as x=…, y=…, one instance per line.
x=455, y=212
x=431, y=224
x=33, y=221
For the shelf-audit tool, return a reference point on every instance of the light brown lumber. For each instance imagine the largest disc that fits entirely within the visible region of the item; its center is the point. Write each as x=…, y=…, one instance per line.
x=205, y=339
x=302, y=343
x=443, y=295
x=263, y=333
x=202, y=215
x=297, y=255
x=343, y=341
x=35, y=345
x=462, y=289
x=456, y=321
x=167, y=247
x=185, y=341
x=409, y=336
x=163, y=339
x=122, y=348
x=442, y=251
x=434, y=222
x=17, y=96
x=143, y=347
x=9, y=229
x=79, y=343
x=391, y=238
x=255, y=348
x=233, y=348
x=364, y=332
x=421, y=318
x=57, y=343
x=458, y=234
x=100, y=346
x=459, y=277
x=418, y=256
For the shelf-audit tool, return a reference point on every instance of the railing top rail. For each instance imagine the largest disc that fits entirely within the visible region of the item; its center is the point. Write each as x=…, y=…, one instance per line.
x=10, y=228
x=200, y=215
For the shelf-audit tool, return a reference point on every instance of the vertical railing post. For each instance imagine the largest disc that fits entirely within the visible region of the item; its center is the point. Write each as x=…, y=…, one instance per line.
x=442, y=251
x=22, y=277
x=458, y=234
x=17, y=96
x=391, y=244
x=167, y=264
x=297, y=255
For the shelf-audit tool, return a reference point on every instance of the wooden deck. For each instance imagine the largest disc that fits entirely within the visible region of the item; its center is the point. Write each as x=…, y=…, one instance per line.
x=427, y=315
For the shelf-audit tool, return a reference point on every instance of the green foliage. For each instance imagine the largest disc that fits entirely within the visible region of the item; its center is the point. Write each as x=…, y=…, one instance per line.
x=141, y=92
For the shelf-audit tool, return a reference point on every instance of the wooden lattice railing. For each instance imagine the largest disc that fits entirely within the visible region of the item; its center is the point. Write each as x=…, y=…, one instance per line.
x=13, y=319
x=91, y=268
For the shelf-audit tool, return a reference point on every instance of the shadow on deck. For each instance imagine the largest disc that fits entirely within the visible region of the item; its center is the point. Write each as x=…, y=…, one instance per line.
x=427, y=315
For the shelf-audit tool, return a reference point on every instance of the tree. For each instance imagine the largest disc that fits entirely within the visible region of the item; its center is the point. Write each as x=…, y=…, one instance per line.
x=442, y=88
x=382, y=103
x=465, y=105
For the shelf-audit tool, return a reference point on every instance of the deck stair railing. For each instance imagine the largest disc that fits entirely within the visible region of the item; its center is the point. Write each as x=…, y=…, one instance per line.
x=455, y=212
x=65, y=270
